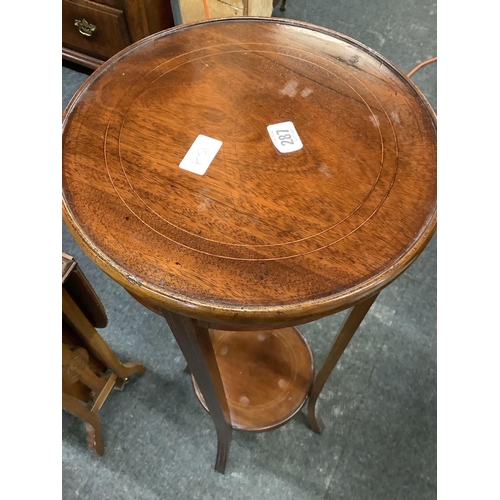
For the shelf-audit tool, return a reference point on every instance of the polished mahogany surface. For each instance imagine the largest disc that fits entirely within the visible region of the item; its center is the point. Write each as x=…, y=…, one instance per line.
x=266, y=375
x=262, y=238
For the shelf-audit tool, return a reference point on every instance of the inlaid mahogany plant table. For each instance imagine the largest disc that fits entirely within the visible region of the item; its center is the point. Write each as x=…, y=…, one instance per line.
x=237, y=243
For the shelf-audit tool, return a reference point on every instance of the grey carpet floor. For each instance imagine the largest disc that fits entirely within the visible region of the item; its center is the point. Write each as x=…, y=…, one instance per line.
x=379, y=405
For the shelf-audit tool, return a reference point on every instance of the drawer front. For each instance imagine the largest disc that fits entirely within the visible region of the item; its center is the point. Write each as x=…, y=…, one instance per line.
x=92, y=28
x=117, y=4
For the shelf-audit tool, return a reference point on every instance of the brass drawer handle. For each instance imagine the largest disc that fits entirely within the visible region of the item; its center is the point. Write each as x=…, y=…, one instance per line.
x=85, y=28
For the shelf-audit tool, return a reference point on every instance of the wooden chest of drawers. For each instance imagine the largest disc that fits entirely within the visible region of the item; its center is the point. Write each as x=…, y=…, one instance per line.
x=93, y=31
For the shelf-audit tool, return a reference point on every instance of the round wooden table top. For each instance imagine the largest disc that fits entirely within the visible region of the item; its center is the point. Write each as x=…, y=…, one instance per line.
x=262, y=237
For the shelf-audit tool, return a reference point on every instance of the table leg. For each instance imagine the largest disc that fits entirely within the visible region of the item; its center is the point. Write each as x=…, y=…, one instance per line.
x=90, y=419
x=196, y=346
x=77, y=319
x=347, y=330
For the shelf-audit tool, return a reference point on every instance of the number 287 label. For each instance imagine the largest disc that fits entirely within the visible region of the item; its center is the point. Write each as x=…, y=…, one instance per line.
x=284, y=136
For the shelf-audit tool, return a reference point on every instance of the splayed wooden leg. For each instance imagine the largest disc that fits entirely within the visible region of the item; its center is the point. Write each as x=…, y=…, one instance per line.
x=91, y=420
x=196, y=346
x=347, y=330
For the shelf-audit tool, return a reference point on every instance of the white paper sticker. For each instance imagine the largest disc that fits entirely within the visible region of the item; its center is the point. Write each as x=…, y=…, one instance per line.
x=200, y=154
x=284, y=136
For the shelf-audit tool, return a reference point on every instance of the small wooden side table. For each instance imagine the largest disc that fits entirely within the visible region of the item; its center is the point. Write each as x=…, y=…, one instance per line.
x=264, y=239
x=90, y=369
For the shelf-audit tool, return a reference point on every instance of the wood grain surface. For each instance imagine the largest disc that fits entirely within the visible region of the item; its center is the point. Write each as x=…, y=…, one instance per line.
x=266, y=376
x=264, y=238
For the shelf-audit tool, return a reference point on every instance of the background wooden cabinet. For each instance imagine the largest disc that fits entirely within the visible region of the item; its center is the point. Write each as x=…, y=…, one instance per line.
x=93, y=31
x=193, y=10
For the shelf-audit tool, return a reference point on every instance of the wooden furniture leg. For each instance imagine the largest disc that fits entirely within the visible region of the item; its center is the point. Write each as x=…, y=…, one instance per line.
x=347, y=330
x=194, y=342
x=91, y=420
x=96, y=344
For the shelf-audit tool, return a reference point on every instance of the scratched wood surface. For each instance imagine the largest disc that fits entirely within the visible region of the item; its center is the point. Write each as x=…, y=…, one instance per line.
x=263, y=238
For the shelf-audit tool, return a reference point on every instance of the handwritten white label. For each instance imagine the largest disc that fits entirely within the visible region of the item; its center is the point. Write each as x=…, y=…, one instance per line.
x=284, y=136
x=200, y=154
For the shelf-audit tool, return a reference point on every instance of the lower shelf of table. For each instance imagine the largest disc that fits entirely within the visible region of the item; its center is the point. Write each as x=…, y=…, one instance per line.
x=266, y=375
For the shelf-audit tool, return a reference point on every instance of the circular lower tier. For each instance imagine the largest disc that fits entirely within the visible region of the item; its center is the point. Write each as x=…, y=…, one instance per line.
x=266, y=375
